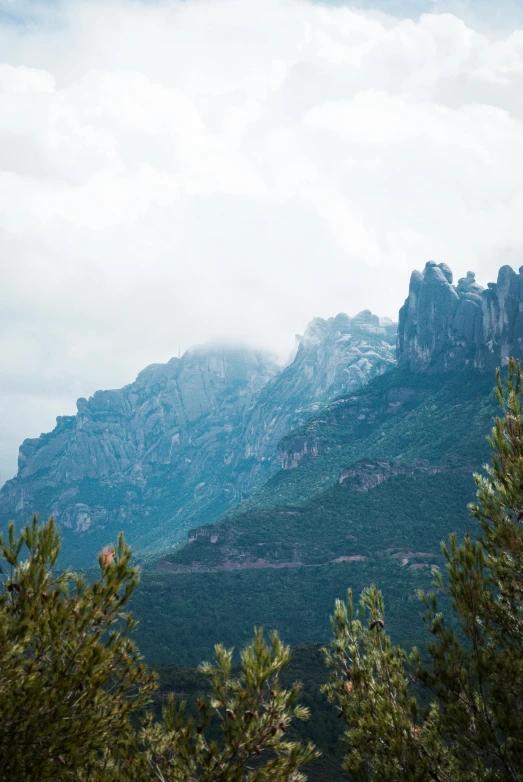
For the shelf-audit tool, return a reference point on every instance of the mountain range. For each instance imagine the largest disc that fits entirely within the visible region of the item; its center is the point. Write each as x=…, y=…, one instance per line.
x=187, y=439
x=255, y=494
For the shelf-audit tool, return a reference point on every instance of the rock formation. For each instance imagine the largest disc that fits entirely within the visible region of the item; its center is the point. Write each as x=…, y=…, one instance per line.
x=145, y=457
x=444, y=327
x=188, y=438
x=333, y=357
x=365, y=475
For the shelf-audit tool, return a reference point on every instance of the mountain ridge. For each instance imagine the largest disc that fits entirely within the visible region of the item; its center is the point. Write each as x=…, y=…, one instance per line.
x=371, y=508
x=188, y=438
x=190, y=441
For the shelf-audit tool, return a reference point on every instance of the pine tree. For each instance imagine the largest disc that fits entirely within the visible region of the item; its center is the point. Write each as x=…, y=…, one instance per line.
x=73, y=686
x=472, y=728
x=251, y=714
x=387, y=737
x=70, y=677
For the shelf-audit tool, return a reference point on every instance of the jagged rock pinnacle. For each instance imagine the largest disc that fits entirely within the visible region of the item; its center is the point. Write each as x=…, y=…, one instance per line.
x=444, y=327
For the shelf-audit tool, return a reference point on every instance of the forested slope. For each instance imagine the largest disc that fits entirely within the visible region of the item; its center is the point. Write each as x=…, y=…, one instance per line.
x=372, y=505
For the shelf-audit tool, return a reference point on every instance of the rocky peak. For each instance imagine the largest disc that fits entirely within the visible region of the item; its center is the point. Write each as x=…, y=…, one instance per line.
x=115, y=430
x=468, y=286
x=366, y=320
x=444, y=327
x=187, y=438
x=336, y=354
x=334, y=357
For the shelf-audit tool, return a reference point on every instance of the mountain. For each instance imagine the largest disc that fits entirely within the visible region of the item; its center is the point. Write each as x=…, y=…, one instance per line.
x=367, y=488
x=187, y=439
x=349, y=468
x=134, y=458
x=389, y=477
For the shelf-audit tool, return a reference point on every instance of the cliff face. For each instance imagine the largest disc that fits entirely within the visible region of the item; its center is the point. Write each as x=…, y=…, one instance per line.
x=333, y=357
x=187, y=439
x=128, y=432
x=444, y=327
x=144, y=456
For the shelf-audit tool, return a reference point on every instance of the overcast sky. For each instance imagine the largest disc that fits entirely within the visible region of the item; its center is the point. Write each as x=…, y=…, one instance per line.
x=174, y=172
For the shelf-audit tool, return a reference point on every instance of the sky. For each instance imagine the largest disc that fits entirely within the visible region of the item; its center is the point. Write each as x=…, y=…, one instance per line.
x=174, y=172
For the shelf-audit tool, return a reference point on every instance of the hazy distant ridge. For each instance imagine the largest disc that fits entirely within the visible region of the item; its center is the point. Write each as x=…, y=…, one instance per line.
x=188, y=438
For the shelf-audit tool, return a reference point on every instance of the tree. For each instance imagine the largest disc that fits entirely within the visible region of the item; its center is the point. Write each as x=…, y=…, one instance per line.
x=472, y=671
x=74, y=688
x=70, y=677
x=387, y=737
x=248, y=714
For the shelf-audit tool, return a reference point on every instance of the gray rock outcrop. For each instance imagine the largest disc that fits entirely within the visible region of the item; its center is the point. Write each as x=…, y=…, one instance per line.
x=366, y=474
x=188, y=438
x=147, y=456
x=444, y=327
x=333, y=357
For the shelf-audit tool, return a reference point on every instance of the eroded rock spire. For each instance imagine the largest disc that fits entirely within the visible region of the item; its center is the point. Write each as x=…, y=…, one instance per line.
x=444, y=326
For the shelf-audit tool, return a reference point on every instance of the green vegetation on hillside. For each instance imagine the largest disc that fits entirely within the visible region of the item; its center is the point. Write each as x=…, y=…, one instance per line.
x=472, y=727
x=397, y=525
x=181, y=616
x=405, y=417
x=73, y=686
x=404, y=513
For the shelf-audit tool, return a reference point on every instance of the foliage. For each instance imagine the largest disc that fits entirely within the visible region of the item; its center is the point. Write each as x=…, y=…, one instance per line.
x=306, y=664
x=181, y=615
x=400, y=415
x=73, y=686
x=70, y=677
x=472, y=729
x=403, y=518
x=386, y=737
x=253, y=712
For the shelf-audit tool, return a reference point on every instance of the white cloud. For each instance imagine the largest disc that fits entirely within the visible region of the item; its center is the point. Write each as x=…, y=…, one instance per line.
x=172, y=172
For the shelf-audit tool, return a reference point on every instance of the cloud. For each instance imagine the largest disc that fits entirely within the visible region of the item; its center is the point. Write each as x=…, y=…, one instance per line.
x=173, y=172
